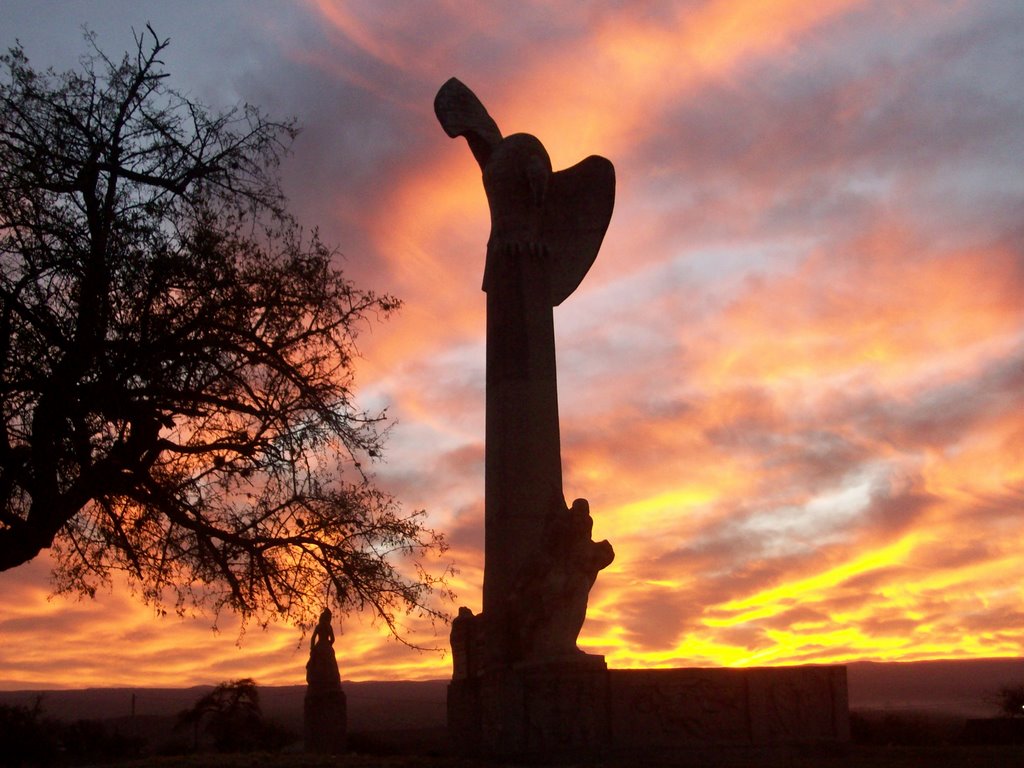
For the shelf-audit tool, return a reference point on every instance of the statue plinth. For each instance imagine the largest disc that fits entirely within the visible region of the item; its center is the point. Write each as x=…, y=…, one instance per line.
x=325, y=721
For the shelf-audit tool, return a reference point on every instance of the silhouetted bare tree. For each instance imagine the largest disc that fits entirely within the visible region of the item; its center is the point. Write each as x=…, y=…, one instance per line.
x=175, y=358
x=1010, y=700
x=230, y=713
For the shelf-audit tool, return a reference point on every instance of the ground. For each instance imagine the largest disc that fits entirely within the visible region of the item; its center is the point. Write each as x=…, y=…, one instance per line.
x=853, y=756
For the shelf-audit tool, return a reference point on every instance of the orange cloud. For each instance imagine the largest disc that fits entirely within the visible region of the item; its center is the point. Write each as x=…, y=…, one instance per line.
x=114, y=641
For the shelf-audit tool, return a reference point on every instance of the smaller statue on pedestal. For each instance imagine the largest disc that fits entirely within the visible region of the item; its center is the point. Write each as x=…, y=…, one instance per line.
x=324, y=706
x=322, y=667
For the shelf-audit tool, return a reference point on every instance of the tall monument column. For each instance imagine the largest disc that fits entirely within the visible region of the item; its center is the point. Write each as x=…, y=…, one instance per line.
x=546, y=229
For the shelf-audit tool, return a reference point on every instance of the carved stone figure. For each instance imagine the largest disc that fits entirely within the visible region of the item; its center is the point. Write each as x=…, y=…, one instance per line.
x=554, y=596
x=546, y=229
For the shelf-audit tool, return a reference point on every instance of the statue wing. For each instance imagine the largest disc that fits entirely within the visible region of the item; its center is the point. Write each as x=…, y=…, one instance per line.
x=578, y=208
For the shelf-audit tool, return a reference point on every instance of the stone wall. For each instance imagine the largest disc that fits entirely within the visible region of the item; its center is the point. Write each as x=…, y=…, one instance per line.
x=758, y=706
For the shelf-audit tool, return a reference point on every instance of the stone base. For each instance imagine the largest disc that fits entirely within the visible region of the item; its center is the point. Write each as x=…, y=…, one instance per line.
x=325, y=721
x=577, y=708
x=551, y=708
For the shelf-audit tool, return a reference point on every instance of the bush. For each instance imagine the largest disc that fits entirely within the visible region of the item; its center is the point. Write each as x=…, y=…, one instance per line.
x=26, y=737
x=91, y=740
x=1011, y=700
x=230, y=716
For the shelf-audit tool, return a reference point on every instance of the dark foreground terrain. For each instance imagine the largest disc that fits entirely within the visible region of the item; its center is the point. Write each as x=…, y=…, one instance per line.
x=912, y=715
x=853, y=756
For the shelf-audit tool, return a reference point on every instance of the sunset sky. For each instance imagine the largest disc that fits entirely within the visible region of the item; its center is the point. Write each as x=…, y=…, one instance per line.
x=791, y=386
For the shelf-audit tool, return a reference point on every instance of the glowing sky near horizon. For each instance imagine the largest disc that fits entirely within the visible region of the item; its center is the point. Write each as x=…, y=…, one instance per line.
x=791, y=386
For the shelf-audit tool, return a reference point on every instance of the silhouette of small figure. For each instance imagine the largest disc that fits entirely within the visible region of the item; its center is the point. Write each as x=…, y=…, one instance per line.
x=467, y=642
x=322, y=667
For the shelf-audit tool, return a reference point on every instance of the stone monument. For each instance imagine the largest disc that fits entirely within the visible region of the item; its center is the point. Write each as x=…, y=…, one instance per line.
x=520, y=685
x=324, y=707
x=546, y=229
x=539, y=559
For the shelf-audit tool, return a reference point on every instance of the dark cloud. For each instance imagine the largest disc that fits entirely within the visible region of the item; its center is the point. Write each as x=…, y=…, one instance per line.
x=659, y=617
x=944, y=413
x=825, y=131
x=871, y=581
x=893, y=511
x=799, y=615
x=467, y=531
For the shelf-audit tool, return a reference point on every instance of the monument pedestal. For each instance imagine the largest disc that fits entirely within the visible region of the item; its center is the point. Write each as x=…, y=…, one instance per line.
x=577, y=709
x=553, y=708
x=325, y=721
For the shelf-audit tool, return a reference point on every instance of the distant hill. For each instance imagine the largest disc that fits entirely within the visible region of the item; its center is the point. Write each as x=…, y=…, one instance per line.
x=963, y=688
x=371, y=705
